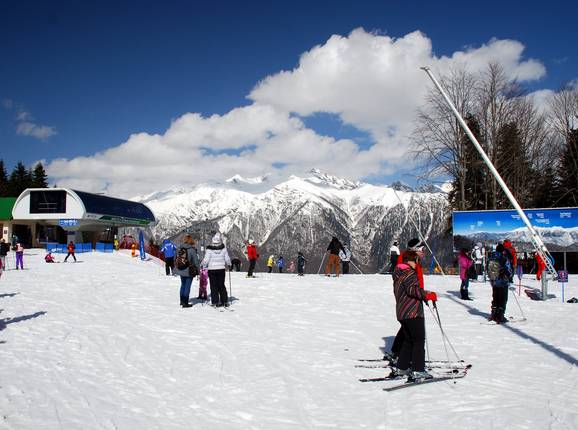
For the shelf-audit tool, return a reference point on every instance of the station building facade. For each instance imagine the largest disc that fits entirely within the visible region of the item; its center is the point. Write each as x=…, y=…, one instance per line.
x=60, y=215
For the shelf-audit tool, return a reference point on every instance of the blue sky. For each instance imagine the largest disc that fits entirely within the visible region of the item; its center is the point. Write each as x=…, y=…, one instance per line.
x=79, y=78
x=506, y=221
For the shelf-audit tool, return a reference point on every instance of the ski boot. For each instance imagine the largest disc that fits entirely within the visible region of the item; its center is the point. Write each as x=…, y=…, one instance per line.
x=416, y=376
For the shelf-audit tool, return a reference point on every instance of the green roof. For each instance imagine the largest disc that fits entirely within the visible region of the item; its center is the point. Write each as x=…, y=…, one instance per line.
x=6, y=205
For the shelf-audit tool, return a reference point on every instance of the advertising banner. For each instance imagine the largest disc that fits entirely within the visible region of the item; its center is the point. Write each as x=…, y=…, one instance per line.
x=558, y=228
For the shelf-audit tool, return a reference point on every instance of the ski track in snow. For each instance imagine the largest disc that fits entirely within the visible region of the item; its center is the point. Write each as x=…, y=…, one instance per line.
x=104, y=345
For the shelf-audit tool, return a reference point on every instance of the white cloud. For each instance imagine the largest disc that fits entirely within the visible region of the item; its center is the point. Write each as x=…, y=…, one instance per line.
x=42, y=132
x=372, y=82
x=25, y=125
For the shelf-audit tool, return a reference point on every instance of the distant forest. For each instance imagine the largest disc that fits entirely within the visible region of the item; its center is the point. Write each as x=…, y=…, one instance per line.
x=21, y=178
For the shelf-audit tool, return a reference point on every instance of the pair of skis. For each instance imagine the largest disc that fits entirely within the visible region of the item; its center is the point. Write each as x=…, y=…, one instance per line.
x=444, y=371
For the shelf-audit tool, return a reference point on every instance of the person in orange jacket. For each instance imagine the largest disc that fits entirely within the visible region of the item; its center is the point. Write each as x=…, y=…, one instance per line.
x=541, y=266
x=70, y=248
x=252, y=255
x=133, y=250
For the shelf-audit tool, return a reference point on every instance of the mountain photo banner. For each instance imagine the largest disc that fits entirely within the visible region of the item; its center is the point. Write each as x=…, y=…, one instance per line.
x=557, y=227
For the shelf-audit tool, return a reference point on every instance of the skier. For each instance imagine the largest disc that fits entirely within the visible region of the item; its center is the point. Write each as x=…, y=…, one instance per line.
x=169, y=249
x=19, y=255
x=203, y=282
x=511, y=254
x=186, y=257
x=70, y=249
x=291, y=268
x=333, y=260
x=252, y=255
x=133, y=250
x=236, y=264
x=300, y=263
x=345, y=256
x=465, y=263
x=499, y=272
x=393, y=255
x=280, y=263
x=270, y=262
x=4, y=248
x=217, y=260
x=541, y=266
x=409, y=297
x=478, y=257
x=412, y=245
x=48, y=258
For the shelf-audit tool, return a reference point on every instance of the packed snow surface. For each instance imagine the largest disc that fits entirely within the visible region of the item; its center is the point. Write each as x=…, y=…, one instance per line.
x=103, y=344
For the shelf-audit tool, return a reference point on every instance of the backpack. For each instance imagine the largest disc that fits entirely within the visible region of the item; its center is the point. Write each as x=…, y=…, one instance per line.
x=182, y=262
x=498, y=268
x=494, y=269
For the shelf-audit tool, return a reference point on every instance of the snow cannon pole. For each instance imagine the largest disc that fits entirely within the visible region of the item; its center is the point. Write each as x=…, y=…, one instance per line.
x=420, y=235
x=538, y=243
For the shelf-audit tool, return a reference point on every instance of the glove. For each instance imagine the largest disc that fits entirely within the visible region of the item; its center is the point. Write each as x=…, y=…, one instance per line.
x=430, y=295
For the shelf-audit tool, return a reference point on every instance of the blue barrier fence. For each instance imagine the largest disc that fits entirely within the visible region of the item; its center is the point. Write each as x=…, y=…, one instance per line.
x=104, y=247
x=62, y=248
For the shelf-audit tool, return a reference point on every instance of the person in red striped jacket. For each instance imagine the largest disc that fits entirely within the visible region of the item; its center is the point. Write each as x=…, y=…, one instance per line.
x=409, y=297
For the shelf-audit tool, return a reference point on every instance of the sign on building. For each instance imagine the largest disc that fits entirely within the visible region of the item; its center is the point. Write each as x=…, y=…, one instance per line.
x=558, y=228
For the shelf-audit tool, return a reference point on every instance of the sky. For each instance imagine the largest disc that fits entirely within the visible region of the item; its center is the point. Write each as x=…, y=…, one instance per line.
x=132, y=97
x=503, y=221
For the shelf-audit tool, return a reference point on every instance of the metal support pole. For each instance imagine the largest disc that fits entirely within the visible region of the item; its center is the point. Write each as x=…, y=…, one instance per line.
x=538, y=243
x=544, y=282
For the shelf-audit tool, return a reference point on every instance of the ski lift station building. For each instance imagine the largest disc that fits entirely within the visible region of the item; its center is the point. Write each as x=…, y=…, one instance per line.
x=44, y=215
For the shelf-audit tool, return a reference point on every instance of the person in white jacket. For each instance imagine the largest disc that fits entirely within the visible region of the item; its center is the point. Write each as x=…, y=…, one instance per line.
x=345, y=256
x=478, y=258
x=217, y=260
x=393, y=255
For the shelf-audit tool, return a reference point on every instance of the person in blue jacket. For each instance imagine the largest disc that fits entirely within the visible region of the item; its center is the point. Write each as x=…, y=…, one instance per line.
x=169, y=249
x=280, y=263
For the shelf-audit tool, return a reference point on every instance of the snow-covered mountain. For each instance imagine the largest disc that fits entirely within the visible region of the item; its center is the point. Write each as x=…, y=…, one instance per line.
x=301, y=214
x=555, y=238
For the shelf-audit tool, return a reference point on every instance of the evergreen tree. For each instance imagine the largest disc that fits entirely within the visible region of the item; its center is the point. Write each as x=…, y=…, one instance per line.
x=3, y=180
x=476, y=170
x=19, y=180
x=568, y=171
x=514, y=167
x=39, y=177
x=546, y=189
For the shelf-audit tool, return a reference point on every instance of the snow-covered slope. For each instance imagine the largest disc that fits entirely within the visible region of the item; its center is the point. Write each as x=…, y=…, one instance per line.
x=302, y=214
x=103, y=344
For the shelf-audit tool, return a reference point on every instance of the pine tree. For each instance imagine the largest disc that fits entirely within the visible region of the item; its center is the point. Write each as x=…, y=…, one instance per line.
x=19, y=180
x=3, y=180
x=475, y=168
x=514, y=167
x=39, y=177
x=546, y=189
x=568, y=171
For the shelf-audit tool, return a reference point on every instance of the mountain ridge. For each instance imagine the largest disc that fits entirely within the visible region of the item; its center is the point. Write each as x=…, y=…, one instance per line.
x=302, y=214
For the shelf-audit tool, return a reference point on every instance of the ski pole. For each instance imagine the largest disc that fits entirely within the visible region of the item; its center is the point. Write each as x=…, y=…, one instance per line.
x=444, y=336
x=351, y=261
x=322, y=260
x=519, y=307
x=230, y=287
